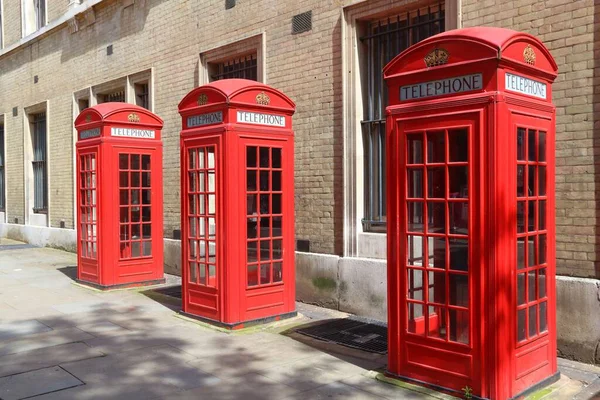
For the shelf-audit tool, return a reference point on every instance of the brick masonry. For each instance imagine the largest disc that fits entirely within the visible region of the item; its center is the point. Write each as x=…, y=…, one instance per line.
x=569, y=28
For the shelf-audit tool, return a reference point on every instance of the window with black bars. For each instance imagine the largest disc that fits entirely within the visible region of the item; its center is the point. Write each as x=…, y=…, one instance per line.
x=2, y=178
x=142, y=97
x=40, y=13
x=117, y=96
x=40, y=176
x=384, y=40
x=245, y=67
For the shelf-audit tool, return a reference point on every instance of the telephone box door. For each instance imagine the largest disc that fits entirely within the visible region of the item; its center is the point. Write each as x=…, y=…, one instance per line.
x=441, y=264
x=87, y=198
x=202, y=268
x=534, y=321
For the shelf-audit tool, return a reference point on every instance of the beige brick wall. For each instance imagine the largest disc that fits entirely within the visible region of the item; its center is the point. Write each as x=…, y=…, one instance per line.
x=11, y=19
x=567, y=28
x=169, y=37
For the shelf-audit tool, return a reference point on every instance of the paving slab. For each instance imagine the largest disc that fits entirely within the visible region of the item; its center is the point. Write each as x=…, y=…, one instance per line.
x=339, y=390
x=21, y=328
x=42, y=340
x=34, y=383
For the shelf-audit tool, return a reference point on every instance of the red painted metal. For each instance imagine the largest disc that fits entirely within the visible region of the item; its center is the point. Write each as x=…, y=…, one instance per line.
x=237, y=203
x=471, y=233
x=119, y=196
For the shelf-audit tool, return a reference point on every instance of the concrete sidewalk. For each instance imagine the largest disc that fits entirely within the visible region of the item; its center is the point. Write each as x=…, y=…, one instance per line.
x=62, y=341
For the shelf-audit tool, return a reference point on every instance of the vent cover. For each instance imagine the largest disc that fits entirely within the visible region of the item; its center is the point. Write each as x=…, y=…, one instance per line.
x=229, y=4
x=109, y=50
x=15, y=113
x=302, y=22
x=303, y=245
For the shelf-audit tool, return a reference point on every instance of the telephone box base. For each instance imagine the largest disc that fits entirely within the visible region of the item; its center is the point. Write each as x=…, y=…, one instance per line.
x=121, y=285
x=544, y=383
x=243, y=324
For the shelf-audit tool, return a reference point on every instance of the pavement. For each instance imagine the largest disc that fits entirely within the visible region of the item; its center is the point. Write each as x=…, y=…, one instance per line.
x=60, y=340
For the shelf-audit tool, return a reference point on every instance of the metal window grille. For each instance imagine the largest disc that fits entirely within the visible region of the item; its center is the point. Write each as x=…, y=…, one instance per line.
x=2, y=178
x=385, y=39
x=241, y=67
x=142, y=95
x=117, y=96
x=302, y=22
x=40, y=176
x=40, y=13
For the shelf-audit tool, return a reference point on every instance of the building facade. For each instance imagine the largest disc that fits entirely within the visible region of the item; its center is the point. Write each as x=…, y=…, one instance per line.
x=57, y=59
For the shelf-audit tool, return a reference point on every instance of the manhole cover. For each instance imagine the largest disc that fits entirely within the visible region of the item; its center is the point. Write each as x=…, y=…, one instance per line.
x=348, y=332
x=171, y=291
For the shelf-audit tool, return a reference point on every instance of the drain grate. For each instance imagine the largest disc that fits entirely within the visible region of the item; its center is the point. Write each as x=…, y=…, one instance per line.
x=352, y=333
x=171, y=291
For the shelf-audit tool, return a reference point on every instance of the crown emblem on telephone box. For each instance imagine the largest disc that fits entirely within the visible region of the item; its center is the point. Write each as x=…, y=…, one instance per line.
x=436, y=57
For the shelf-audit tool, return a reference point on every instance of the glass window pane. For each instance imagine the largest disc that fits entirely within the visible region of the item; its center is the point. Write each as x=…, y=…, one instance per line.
x=211, y=182
x=124, y=197
x=201, y=227
x=146, y=248
x=436, y=287
x=212, y=204
x=436, y=183
x=201, y=204
x=415, y=319
x=123, y=161
x=135, y=161
x=212, y=228
x=436, y=216
x=415, y=148
x=533, y=320
x=277, y=249
x=459, y=290
x=135, y=215
x=193, y=272
x=543, y=317
x=251, y=181
x=521, y=324
x=276, y=204
x=252, y=252
x=415, y=216
x=542, y=249
x=124, y=214
x=146, y=182
x=264, y=157
x=531, y=216
x=277, y=272
x=459, y=217
x=251, y=157
x=192, y=182
x=541, y=180
x=542, y=146
x=531, y=149
x=264, y=181
x=436, y=151
x=192, y=158
x=265, y=227
x=211, y=157
x=459, y=254
x=202, y=275
x=201, y=182
x=265, y=274
x=520, y=180
x=415, y=250
x=458, y=145
x=276, y=157
x=251, y=204
x=542, y=215
x=124, y=179
x=251, y=228
x=415, y=284
x=459, y=182
x=146, y=196
x=147, y=231
x=252, y=275
x=415, y=183
x=521, y=288
x=459, y=326
x=531, y=253
x=146, y=162
x=436, y=246
x=520, y=216
x=437, y=322
x=520, y=253
x=135, y=249
x=277, y=226
x=531, y=295
x=521, y=144
x=276, y=181
x=531, y=181
x=542, y=283
x=264, y=204
x=201, y=158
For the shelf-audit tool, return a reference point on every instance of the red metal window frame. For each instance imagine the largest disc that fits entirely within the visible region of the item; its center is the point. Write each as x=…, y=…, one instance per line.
x=264, y=215
x=88, y=206
x=532, y=234
x=202, y=215
x=135, y=206
x=438, y=305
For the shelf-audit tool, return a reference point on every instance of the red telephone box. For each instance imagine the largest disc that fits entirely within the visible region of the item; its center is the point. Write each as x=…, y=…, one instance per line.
x=119, y=196
x=237, y=195
x=471, y=234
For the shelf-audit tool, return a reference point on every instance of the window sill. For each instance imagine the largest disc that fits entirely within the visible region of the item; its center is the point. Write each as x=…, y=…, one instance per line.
x=72, y=13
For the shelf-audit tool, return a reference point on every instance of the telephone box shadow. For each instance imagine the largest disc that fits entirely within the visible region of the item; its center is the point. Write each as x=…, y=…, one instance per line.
x=70, y=271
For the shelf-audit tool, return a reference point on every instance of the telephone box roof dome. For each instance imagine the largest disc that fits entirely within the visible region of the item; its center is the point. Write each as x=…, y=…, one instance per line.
x=117, y=112
x=242, y=91
x=475, y=44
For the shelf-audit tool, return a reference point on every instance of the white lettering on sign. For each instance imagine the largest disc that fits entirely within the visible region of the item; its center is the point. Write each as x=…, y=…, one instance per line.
x=89, y=133
x=457, y=84
x=520, y=84
x=248, y=117
x=205, y=119
x=135, y=133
